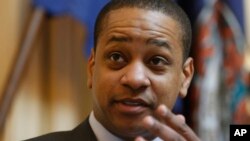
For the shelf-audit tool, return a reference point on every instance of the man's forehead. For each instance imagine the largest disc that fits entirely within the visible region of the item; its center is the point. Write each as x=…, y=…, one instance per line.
x=140, y=19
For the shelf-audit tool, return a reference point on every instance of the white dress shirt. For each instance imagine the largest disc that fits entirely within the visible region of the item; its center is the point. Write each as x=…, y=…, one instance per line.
x=103, y=134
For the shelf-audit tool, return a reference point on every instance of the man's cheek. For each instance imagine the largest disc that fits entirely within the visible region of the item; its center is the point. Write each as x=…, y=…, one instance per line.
x=167, y=100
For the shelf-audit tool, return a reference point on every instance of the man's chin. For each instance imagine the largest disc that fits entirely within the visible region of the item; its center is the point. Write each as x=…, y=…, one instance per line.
x=130, y=133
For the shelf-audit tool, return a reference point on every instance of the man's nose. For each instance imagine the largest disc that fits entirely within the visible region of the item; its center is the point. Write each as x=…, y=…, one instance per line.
x=135, y=77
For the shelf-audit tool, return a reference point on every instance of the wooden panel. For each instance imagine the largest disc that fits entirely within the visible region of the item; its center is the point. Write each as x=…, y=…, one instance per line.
x=247, y=32
x=53, y=94
x=67, y=72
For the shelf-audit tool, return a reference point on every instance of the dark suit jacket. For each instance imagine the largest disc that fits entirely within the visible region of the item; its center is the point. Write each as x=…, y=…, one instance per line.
x=83, y=132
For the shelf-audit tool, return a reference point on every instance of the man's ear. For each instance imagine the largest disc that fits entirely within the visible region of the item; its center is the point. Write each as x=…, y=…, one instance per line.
x=187, y=75
x=90, y=67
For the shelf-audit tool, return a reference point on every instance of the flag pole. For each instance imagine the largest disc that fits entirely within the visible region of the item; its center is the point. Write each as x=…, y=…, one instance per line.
x=12, y=83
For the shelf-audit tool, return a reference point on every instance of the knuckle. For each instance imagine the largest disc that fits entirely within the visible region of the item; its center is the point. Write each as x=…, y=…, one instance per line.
x=157, y=129
x=183, y=128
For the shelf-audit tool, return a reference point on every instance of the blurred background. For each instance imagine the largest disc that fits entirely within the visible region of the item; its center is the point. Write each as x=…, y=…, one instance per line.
x=44, y=46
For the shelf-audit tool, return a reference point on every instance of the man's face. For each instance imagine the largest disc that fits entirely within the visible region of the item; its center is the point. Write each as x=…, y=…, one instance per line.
x=138, y=64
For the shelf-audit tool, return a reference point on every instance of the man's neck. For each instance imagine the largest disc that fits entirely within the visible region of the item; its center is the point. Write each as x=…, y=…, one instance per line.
x=102, y=134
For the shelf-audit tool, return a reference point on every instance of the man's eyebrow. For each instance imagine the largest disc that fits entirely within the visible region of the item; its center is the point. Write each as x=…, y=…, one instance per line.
x=119, y=39
x=159, y=43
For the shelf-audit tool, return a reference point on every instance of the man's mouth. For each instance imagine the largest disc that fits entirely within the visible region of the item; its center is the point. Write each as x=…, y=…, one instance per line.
x=134, y=102
x=131, y=106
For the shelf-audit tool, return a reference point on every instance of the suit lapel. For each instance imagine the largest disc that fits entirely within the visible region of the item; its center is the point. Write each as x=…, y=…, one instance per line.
x=83, y=132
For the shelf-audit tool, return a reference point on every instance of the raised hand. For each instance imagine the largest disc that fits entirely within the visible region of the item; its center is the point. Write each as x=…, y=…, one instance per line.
x=171, y=127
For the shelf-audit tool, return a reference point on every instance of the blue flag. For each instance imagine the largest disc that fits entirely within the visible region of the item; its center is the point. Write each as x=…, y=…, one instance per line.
x=237, y=8
x=84, y=11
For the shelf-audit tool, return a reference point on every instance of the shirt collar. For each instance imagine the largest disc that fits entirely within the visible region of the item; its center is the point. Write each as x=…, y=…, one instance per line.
x=102, y=134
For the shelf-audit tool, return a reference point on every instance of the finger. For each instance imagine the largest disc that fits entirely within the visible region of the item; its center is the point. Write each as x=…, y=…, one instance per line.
x=139, y=139
x=176, y=122
x=181, y=118
x=161, y=130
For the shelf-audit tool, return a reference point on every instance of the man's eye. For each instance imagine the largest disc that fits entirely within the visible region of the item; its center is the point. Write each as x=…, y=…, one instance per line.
x=158, y=61
x=116, y=57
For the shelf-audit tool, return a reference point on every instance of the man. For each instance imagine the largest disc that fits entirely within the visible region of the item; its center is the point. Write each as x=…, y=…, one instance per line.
x=138, y=67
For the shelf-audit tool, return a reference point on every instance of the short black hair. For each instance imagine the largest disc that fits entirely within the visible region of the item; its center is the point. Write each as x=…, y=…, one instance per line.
x=166, y=7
